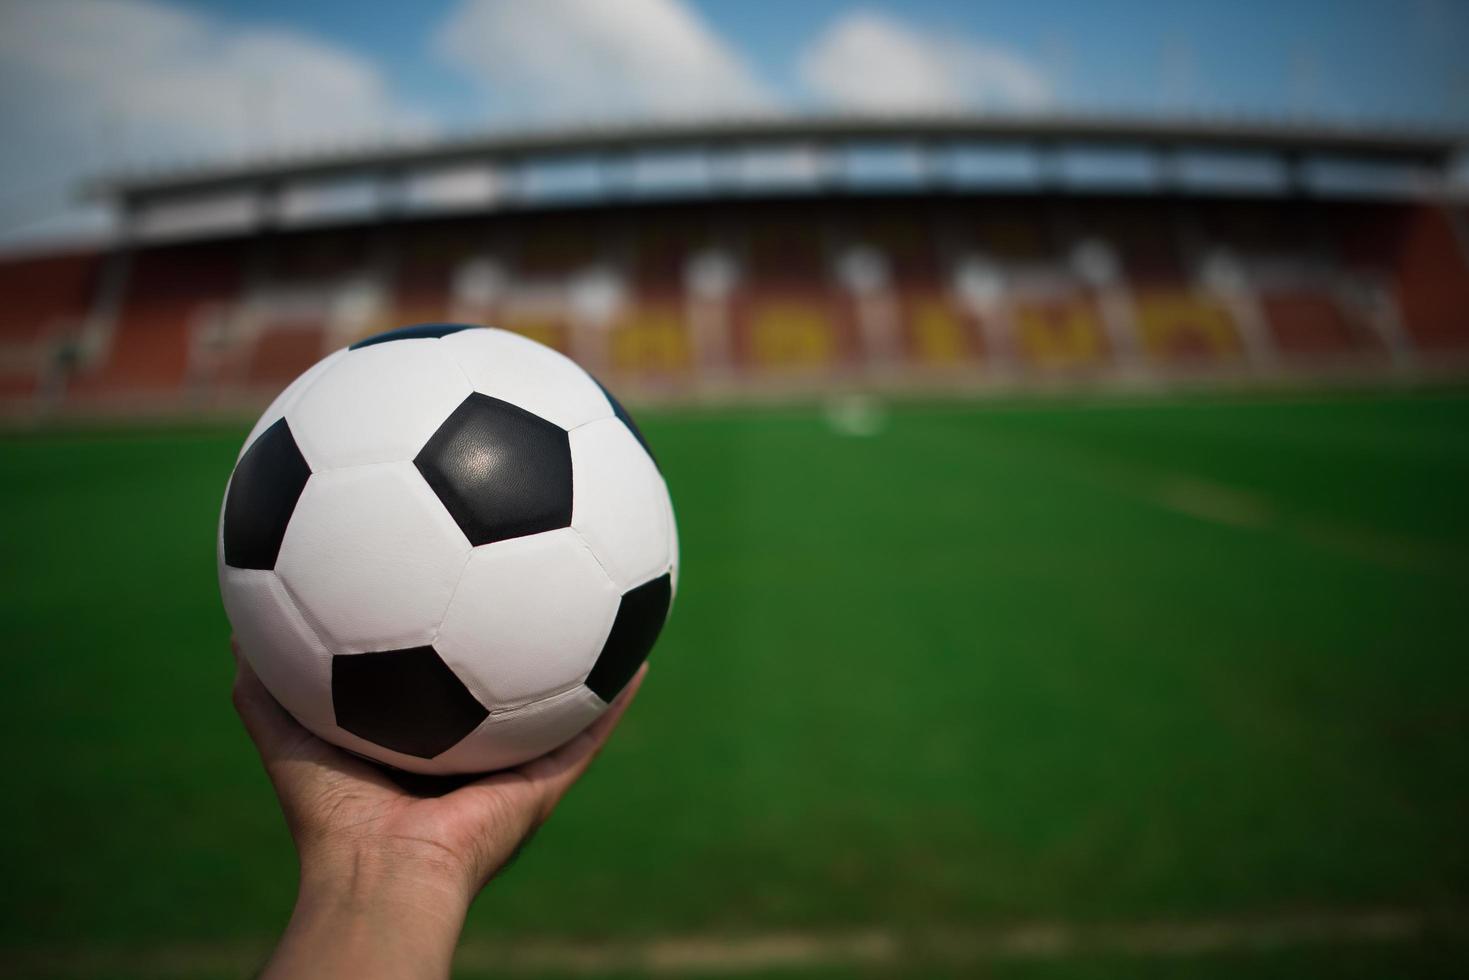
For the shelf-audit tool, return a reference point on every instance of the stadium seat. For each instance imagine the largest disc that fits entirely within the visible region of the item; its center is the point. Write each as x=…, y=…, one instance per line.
x=557, y=244
x=1010, y=232
x=46, y=300
x=43, y=295
x=790, y=287
x=661, y=249
x=167, y=290
x=906, y=238
x=553, y=331
x=422, y=276
x=1062, y=333
x=1142, y=233
x=1185, y=326
x=937, y=333
x=1309, y=323
x=791, y=331
x=651, y=339
x=1433, y=280
x=280, y=354
x=785, y=251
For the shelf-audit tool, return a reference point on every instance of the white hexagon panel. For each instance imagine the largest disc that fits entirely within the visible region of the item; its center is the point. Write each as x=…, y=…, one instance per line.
x=372, y=557
x=529, y=618
x=620, y=505
x=377, y=404
x=529, y=375
x=282, y=648
x=287, y=398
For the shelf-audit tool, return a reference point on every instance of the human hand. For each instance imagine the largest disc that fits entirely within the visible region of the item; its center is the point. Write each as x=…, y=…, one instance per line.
x=390, y=863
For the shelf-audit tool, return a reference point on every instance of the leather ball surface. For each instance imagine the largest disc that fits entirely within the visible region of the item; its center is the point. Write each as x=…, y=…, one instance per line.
x=446, y=548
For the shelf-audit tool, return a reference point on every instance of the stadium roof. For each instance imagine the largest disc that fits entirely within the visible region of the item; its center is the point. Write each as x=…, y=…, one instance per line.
x=670, y=160
x=1431, y=147
x=1434, y=147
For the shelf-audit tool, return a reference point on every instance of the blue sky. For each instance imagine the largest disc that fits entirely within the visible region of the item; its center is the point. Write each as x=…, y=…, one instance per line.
x=92, y=86
x=1395, y=59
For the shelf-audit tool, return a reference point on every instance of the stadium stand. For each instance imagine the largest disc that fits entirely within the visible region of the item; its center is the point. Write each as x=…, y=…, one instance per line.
x=45, y=300
x=1432, y=287
x=170, y=292
x=745, y=287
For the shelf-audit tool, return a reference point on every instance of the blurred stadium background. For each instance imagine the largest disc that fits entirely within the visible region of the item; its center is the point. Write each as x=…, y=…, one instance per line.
x=714, y=260
x=1073, y=509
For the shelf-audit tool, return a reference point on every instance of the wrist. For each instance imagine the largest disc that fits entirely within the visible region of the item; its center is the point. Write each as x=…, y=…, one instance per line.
x=378, y=872
x=373, y=913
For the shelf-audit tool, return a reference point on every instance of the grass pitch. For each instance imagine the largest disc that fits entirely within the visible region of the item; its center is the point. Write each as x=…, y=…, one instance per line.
x=1083, y=665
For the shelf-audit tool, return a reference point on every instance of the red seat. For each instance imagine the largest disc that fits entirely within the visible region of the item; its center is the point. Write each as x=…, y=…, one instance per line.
x=168, y=290
x=1433, y=281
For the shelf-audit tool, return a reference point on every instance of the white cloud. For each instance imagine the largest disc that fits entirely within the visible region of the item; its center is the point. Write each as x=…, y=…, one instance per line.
x=88, y=86
x=539, y=59
x=871, y=62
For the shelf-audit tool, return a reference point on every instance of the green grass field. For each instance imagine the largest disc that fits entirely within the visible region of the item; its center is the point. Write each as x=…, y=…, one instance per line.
x=1093, y=668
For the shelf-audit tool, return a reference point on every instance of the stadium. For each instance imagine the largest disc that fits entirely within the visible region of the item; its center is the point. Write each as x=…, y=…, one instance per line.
x=1072, y=510
x=703, y=261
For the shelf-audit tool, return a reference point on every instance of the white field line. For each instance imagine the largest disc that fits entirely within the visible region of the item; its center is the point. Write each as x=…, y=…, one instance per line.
x=1213, y=502
x=795, y=951
x=1209, y=501
x=1220, y=504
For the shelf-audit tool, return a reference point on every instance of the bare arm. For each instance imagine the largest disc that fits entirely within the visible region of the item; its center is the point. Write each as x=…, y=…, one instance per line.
x=387, y=874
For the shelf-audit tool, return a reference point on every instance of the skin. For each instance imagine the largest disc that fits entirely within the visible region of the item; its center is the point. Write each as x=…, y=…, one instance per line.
x=389, y=864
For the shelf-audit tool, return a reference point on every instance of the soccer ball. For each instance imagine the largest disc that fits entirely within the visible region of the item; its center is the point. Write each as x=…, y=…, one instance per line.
x=446, y=548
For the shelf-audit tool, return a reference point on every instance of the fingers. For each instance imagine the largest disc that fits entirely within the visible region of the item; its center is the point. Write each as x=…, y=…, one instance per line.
x=270, y=726
x=288, y=750
x=503, y=807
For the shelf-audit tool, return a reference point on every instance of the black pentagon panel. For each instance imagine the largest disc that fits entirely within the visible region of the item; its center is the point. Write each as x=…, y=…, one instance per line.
x=405, y=700
x=419, y=331
x=502, y=472
x=263, y=492
x=638, y=623
x=626, y=420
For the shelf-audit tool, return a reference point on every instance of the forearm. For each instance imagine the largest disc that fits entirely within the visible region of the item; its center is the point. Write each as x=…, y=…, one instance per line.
x=364, y=923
